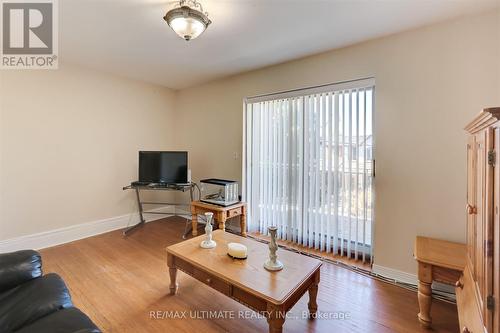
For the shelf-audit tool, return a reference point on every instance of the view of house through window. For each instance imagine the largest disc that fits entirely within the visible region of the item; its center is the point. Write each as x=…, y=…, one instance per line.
x=309, y=166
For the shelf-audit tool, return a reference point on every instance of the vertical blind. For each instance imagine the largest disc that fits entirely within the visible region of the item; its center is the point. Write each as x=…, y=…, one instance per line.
x=309, y=166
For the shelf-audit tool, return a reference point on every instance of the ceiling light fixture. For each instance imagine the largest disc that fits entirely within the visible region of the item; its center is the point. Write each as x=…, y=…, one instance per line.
x=188, y=19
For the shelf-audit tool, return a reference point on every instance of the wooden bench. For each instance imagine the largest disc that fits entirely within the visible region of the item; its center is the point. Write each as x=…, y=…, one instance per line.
x=439, y=261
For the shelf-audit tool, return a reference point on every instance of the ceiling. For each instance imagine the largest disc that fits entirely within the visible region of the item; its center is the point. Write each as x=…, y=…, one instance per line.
x=130, y=38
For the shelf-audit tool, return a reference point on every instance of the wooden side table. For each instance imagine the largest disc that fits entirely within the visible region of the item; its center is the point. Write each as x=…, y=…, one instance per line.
x=440, y=261
x=221, y=214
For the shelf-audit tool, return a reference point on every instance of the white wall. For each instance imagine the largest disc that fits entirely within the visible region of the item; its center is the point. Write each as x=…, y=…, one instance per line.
x=429, y=83
x=68, y=144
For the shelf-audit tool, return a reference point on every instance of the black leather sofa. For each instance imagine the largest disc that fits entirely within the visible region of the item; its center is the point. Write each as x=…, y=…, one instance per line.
x=32, y=303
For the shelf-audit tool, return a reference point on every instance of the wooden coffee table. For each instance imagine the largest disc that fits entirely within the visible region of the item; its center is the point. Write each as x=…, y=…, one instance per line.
x=272, y=294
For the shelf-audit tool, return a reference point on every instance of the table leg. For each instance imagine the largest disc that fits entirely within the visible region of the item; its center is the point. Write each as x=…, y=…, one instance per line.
x=172, y=270
x=275, y=319
x=425, y=294
x=222, y=223
x=243, y=221
x=313, y=293
x=194, y=221
x=141, y=214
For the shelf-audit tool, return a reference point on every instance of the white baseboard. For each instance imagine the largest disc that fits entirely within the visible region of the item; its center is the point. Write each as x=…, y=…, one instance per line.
x=408, y=278
x=394, y=274
x=75, y=232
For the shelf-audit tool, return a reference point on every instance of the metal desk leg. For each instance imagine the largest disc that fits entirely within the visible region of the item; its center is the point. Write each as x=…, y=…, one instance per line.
x=139, y=204
x=188, y=227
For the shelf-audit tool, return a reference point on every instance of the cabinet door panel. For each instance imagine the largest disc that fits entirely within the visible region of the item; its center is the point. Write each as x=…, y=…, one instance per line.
x=491, y=317
x=483, y=261
x=479, y=234
x=488, y=229
x=471, y=198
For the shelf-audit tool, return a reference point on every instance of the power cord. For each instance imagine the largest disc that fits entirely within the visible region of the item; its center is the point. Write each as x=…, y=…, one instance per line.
x=198, y=189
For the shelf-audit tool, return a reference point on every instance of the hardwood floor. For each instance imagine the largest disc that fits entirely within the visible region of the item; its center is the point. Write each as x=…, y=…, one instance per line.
x=119, y=281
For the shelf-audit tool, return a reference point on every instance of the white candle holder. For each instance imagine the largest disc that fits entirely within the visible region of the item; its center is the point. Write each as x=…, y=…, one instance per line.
x=273, y=264
x=208, y=243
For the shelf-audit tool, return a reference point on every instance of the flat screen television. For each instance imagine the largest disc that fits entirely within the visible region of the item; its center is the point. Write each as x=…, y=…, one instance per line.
x=165, y=167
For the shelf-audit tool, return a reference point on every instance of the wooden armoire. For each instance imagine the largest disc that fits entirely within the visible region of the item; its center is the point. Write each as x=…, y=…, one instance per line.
x=480, y=283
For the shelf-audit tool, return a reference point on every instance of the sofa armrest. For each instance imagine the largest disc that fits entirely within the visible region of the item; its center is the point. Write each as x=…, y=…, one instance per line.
x=19, y=267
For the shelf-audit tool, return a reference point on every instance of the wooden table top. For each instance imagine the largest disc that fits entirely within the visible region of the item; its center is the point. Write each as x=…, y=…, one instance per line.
x=440, y=253
x=249, y=274
x=209, y=206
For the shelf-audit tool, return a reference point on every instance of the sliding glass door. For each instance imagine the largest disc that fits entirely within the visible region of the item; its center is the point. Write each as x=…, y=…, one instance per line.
x=309, y=166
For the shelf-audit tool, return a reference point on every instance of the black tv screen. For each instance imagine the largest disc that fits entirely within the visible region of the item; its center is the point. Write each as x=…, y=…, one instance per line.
x=169, y=167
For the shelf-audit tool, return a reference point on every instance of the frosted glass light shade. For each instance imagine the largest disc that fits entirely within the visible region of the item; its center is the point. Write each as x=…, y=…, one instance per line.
x=187, y=27
x=188, y=23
